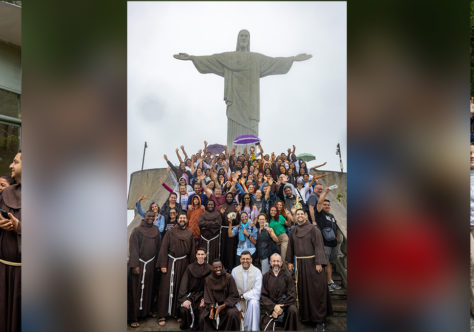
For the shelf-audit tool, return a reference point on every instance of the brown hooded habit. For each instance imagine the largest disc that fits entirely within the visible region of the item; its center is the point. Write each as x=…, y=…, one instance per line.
x=306, y=243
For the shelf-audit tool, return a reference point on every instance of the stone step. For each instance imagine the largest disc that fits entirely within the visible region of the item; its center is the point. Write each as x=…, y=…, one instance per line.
x=151, y=324
x=334, y=323
x=339, y=305
x=338, y=297
x=341, y=291
x=339, y=314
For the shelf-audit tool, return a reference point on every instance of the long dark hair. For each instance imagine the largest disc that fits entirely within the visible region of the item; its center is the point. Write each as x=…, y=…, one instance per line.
x=250, y=199
x=171, y=194
x=257, y=223
x=8, y=178
x=270, y=215
x=151, y=204
x=305, y=167
x=168, y=217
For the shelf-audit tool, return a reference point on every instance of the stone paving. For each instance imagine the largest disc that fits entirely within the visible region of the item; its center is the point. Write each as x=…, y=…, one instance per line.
x=336, y=322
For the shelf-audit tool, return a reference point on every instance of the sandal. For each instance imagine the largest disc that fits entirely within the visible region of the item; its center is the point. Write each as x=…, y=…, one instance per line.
x=162, y=321
x=135, y=324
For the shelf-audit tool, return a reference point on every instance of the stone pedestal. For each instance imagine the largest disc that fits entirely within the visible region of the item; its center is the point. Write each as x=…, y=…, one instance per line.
x=235, y=130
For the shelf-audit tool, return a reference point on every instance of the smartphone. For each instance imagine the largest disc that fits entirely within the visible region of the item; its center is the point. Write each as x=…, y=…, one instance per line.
x=334, y=186
x=4, y=214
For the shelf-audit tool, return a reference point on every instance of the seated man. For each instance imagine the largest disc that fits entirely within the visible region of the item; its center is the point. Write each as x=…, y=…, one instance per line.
x=191, y=291
x=220, y=297
x=278, y=298
x=249, y=284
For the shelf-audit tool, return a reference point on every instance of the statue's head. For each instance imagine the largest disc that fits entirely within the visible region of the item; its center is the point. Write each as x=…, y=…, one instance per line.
x=243, y=41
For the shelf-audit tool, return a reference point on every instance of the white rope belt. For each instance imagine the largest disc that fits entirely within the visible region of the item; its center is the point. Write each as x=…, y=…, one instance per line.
x=217, y=318
x=170, y=301
x=10, y=263
x=143, y=278
x=271, y=319
x=192, y=312
x=208, y=241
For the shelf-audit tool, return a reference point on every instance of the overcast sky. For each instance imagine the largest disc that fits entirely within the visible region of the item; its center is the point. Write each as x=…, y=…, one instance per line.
x=170, y=103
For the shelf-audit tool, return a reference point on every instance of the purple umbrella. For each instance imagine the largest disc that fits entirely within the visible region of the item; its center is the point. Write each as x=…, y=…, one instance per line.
x=215, y=148
x=246, y=139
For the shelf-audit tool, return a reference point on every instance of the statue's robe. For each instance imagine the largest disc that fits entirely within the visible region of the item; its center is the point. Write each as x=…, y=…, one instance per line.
x=242, y=72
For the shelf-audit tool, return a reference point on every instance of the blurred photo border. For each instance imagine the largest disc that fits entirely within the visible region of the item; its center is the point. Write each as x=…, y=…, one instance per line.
x=408, y=123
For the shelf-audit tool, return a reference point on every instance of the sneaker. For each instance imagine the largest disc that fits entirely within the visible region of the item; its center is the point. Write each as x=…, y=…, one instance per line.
x=333, y=285
x=320, y=327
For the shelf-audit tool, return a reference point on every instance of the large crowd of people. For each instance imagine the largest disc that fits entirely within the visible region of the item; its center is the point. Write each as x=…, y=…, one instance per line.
x=245, y=241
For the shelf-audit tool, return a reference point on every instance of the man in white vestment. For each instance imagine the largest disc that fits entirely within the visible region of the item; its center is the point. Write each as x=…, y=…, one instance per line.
x=249, y=283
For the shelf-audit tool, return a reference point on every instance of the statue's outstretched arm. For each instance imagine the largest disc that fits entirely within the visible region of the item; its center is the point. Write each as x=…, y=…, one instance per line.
x=302, y=57
x=182, y=56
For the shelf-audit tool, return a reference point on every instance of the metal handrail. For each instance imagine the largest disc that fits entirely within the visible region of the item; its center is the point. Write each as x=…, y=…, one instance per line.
x=10, y=120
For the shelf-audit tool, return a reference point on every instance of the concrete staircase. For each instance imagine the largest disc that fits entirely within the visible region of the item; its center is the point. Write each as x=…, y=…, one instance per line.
x=338, y=321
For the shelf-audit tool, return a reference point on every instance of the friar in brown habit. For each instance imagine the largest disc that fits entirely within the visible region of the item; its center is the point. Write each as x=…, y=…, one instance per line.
x=177, y=250
x=228, y=245
x=278, y=299
x=306, y=256
x=220, y=298
x=10, y=252
x=210, y=222
x=144, y=247
x=191, y=292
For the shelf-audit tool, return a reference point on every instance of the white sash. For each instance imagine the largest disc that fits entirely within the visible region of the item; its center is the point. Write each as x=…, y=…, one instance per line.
x=192, y=312
x=170, y=301
x=208, y=241
x=143, y=278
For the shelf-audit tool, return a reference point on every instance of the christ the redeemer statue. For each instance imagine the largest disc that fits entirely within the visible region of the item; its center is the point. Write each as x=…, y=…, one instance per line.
x=242, y=70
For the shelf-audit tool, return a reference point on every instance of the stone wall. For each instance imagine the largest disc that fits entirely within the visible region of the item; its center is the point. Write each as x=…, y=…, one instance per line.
x=147, y=183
